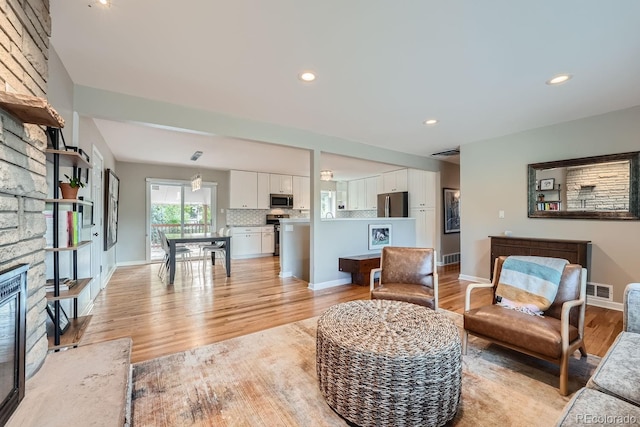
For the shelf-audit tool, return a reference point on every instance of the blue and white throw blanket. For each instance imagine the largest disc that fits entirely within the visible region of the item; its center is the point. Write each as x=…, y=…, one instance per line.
x=529, y=283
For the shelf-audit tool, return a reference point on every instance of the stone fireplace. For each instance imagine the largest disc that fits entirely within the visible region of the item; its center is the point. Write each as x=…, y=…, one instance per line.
x=13, y=290
x=24, y=50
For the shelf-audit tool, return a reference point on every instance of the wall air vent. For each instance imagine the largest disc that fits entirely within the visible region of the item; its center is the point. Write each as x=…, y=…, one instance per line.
x=603, y=292
x=446, y=153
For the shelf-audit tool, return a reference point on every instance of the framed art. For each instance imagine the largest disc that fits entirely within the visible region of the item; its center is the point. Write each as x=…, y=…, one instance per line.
x=112, y=189
x=379, y=236
x=63, y=324
x=547, y=184
x=86, y=212
x=451, y=204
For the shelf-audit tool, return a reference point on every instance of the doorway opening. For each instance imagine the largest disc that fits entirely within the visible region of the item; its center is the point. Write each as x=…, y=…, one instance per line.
x=173, y=208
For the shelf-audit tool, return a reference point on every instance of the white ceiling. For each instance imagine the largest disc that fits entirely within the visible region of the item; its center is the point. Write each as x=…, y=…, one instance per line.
x=383, y=67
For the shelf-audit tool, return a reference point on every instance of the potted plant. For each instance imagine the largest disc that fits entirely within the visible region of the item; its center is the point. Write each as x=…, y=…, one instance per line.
x=70, y=189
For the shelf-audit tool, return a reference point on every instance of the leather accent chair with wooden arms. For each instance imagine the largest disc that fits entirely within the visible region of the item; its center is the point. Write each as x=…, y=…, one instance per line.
x=407, y=274
x=553, y=337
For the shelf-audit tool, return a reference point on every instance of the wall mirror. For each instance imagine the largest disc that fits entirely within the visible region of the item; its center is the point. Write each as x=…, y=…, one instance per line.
x=600, y=187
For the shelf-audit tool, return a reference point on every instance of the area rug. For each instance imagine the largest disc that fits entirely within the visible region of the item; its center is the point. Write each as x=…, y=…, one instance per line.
x=269, y=379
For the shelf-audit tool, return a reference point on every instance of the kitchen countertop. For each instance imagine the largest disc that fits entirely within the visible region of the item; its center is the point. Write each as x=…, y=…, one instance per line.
x=249, y=225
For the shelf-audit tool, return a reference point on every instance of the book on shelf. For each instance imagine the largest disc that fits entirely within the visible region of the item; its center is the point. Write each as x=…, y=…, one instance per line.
x=74, y=227
x=65, y=284
x=63, y=229
x=549, y=206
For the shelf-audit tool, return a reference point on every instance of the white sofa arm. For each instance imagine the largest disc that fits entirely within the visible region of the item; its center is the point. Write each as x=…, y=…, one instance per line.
x=631, y=315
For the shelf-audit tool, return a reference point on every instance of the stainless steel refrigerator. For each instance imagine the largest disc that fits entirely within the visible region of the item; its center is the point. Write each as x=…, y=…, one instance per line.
x=393, y=204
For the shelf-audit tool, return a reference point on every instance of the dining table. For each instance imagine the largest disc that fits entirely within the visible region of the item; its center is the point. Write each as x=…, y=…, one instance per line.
x=187, y=238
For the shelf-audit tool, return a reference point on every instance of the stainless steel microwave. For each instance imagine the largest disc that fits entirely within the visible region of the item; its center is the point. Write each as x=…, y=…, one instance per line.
x=284, y=201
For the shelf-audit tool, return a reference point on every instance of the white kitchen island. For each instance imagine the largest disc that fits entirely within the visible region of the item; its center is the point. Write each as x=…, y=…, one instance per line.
x=335, y=238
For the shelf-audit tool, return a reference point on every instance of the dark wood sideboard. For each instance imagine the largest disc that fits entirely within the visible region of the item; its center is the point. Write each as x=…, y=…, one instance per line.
x=359, y=266
x=575, y=251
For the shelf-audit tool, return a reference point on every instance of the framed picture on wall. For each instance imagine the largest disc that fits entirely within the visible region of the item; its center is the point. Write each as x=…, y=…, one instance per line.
x=112, y=190
x=547, y=184
x=451, y=204
x=379, y=236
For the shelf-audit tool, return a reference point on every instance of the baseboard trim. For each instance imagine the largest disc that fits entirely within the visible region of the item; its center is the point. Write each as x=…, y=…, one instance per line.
x=131, y=263
x=618, y=306
x=329, y=284
x=87, y=309
x=285, y=274
x=107, y=277
x=473, y=279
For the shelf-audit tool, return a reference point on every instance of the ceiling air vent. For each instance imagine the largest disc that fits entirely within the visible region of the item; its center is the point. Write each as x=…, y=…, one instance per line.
x=446, y=153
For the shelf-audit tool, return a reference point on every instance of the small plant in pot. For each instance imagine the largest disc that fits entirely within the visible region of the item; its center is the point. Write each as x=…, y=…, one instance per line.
x=70, y=189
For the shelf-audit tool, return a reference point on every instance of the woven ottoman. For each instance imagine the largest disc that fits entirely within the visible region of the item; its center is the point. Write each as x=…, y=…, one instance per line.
x=389, y=363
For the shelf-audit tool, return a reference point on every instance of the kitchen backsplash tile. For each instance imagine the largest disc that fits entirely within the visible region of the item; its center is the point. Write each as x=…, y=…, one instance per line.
x=357, y=214
x=258, y=216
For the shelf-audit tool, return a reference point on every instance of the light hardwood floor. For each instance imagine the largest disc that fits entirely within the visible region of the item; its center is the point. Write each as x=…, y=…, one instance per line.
x=200, y=309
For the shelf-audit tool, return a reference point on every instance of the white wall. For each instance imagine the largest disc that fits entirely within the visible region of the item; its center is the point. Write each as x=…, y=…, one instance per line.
x=132, y=208
x=494, y=177
x=345, y=237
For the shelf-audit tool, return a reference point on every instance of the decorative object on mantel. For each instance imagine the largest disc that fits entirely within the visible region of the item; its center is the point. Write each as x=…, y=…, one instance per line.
x=30, y=109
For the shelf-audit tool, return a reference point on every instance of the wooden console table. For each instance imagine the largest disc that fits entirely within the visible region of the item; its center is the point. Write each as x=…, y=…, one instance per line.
x=359, y=266
x=575, y=251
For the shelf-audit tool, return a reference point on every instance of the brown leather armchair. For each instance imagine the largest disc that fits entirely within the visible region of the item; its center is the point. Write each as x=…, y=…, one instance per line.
x=553, y=337
x=407, y=274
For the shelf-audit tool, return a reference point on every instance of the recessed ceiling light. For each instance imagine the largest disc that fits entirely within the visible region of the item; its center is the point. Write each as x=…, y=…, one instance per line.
x=559, y=79
x=431, y=122
x=307, y=76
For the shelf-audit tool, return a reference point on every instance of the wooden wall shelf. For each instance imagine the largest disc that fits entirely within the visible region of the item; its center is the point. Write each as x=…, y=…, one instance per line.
x=30, y=109
x=71, y=338
x=71, y=293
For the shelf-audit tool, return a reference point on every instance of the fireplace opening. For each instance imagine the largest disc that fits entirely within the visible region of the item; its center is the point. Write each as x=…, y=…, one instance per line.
x=13, y=321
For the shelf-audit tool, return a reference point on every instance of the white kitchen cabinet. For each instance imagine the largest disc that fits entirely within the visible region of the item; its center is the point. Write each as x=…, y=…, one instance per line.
x=394, y=181
x=373, y=187
x=268, y=240
x=356, y=195
x=243, y=190
x=301, y=192
x=264, y=201
x=425, y=226
x=422, y=188
x=281, y=184
x=246, y=241
x=342, y=189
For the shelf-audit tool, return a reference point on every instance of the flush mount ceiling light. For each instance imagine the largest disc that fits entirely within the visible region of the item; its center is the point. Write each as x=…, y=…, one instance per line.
x=103, y=3
x=559, y=79
x=430, y=122
x=326, y=175
x=196, y=182
x=307, y=76
x=196, y=155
